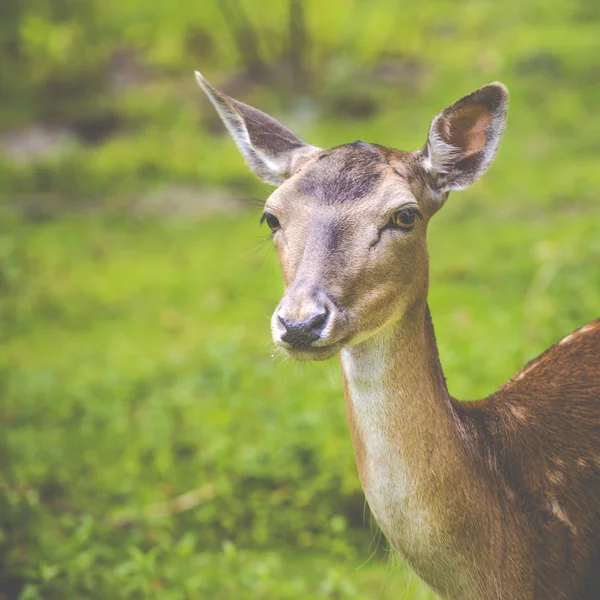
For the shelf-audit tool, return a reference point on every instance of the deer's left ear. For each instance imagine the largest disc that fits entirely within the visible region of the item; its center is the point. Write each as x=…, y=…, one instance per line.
x=271, y=150
x=464, y=138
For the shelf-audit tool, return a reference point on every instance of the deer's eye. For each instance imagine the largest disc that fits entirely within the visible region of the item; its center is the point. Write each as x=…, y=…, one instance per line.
x=272, y=221
x=404, y=219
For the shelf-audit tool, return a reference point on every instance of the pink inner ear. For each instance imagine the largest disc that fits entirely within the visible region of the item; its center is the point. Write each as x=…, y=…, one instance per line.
x=467, y=128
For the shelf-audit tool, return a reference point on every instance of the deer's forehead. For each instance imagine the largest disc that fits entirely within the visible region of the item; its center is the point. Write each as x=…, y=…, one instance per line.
x=343, y=175
x=345, y=180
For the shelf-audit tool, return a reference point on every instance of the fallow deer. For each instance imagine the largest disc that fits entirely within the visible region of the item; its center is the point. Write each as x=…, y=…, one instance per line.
x=497, y=499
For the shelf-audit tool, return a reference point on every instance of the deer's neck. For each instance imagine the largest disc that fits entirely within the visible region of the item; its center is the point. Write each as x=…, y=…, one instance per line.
x=410, y=449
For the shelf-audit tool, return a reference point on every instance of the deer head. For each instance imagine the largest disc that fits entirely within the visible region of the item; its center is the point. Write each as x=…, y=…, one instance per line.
x=349, y=223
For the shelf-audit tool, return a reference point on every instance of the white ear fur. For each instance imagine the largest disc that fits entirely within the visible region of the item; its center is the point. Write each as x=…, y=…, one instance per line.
x=463, y=139
x=271, y=150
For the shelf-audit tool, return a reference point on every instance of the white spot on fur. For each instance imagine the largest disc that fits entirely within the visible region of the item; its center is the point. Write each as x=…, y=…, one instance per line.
x=569, y=338
x=526, y=371
x=577, y=333
x=558, y=511
x=582, y=462
x=555, y=477
x=518, y=412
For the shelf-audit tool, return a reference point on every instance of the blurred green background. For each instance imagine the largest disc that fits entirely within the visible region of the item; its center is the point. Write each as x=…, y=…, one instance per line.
x=150, y=446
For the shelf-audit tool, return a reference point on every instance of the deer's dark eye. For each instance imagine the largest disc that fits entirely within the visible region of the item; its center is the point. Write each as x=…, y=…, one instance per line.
x=404, y=219
x=272, y=221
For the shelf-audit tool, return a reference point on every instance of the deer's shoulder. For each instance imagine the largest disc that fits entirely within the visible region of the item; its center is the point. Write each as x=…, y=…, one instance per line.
x=570, y=366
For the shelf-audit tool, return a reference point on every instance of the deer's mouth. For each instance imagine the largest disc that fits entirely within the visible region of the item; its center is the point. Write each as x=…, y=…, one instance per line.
x=307, y=352
x=314, y=352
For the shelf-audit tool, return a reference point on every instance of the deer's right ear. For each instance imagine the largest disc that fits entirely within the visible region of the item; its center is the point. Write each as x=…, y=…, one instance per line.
x=463, y=139
x=271, y=150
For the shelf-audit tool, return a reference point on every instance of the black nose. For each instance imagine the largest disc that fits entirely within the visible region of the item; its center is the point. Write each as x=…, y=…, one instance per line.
x=303, y=333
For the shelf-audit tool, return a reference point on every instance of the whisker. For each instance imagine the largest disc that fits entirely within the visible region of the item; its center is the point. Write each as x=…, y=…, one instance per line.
x=260, y=243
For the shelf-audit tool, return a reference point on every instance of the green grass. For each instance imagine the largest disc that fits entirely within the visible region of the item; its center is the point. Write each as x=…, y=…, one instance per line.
x=136, y=367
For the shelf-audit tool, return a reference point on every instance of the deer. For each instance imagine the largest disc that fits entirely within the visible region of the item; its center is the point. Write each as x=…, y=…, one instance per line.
x=494, y=499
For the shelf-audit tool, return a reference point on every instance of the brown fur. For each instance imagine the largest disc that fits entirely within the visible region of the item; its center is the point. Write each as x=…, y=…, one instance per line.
x=544, y=460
